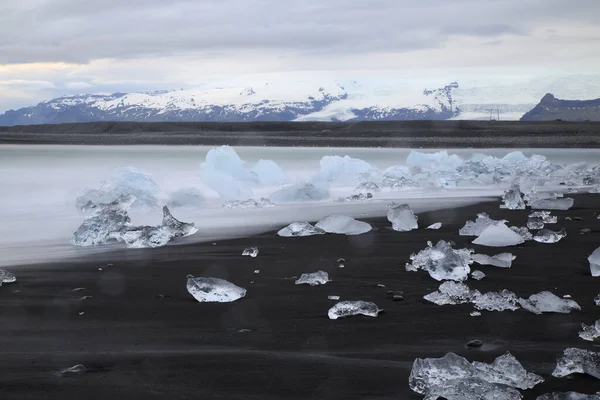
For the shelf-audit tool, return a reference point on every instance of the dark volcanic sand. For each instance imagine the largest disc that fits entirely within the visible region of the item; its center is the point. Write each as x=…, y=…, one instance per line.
x=138, y=344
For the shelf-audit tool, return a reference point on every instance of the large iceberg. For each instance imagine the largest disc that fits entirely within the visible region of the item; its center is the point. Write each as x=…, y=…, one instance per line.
x=342, y=169
x=300, y=229
x=343, y=225
x=298, y=192
x=402, y=217
x=594, y=260
x=498, y=235
x=475, y=228
x=545, y=302
x=577, y=361
x=213, y=290
x=442, y=262
x=345, y=309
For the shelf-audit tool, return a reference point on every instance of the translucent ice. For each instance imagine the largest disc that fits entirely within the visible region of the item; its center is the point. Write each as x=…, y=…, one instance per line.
x=513, y=199
x=188, y=198
x=402, y=217
x=577, y=361
x=300, y=229
x=313, y=278
x=590, y=332
x=597, y=300
x=342, y=169
x=440, y=161
x=523, y=232
x=545, y=216
x=301, y=192
x=214, y=290
x=477, y=275
x=498, y=235
x=545, y=302
x=437, y=225
x=250, y=203
x=535, y=223
x=268, y=173
x=548, y=236
x=442, y=262
x=472, y=389
x=451, y=293
x=502, y=260
x=569, y=396
x=344, y=225
x=474, y=228
x=594, y=260
x=496, y=301
x=250, y=251
x=552, y=204
x=367, y=187
x=357, y=197
x=349, y=308
x=6, y=277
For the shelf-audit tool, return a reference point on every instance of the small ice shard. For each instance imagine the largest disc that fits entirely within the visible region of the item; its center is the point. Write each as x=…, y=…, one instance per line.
x=496, y=301
x=442, y=262
x=74, y=370
x=250, y=203
x=502, y=260
x=545, y=216
x=475, y=314
x=437, y=225
x=6, y=277
x=477, y=275
x=214, y=290
x=590, y=332
x=569, y=396
x=257, y=271
x=552, y=204
x=498, y=235
x=545, y=302
x=349, y=308
x=313, y=278
x=535, y=223
x=402, y=217
x=548, y=236
x=523, y=232
x=594, y=260
x=250, y=251
x=300, y=229
x=333, y=298
x=341, y=263
x=577, y=361
x=343, y=225
x=451, y=293
x=475, y=228
x=513, y=199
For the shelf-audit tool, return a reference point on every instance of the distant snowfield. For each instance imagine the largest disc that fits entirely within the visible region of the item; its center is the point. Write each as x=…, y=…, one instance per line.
x=40, y=185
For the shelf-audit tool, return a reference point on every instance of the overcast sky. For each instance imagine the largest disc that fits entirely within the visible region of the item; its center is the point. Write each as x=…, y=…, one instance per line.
x=50, y=48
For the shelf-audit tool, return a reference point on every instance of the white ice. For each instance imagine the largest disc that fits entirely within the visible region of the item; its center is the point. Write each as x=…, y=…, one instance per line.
x=313, y=278
x=577, y=361
x=548, y=236
x=502, y=260
x=553, y=204
x=545, y=302
x=6, y=277
x=436, y=225
x=343, y=225
x=594, y=260
x=300, y=229
x=442, y=262
x=477, y=275
x=475, y=228
x=250, y=251
x=207, y=290
x=498, y=235
x=590, y=332
x=350, y=308
x=546, y=217
x=402, y=217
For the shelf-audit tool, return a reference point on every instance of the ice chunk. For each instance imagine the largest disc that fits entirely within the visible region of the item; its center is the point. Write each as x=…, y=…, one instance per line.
x=213, y=290
x=402, y=217
x=577, y=361
x=535, y=223
x=440, y=161
x=300, y=229
x=477, y=275
x=268, y=173
x=545, y=301
x=597, y=300
x=594, y=260
x=250, y=251
x=590, y=332
x=502, y=260
x=523, y=232
x=344, y=225
x=6, y=277
x=313, y=278
x=548, y=236
x=301, y=192
x=349, y=308
x=367, y=187
x=496, y=301
x=250, y=203
x=333, y=298
x=552, y=204
x=104, y=223
x=545, y=216
x=513, y=199
x=475, y=314
x=569, y=396
x=475, y=228
x=442, y=262
x=453, y=377
x=451, y=293
x=437, y=225
x=126, y=181
x=342, y=169
x=498, y=235
x=188, y=198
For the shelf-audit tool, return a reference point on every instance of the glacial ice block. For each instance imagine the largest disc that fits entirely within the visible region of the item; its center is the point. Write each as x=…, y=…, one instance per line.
x=343, y=225
x=513, y=199
x=356, y=307
x=502, y=260
x=342, y=169
x=475, y=228
x=553, y=204
x=548, y=236
x=213, y=290
x=313, y=278
x=300, y=192
x=442, y=262
x=594, y=260
x=590, y=332
x=577, y=361
x=402, y=217
x=300, y=229
x=157, y=236
x=545, y=302
x=498, y=235
x=535, y=223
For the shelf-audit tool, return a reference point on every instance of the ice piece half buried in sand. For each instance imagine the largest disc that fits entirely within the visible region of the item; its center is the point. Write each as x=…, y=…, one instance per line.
x=545, y=302
x=217, y=290
x=300, y=229
x=343, y=225
x=577, y=361
x=402, y=217
x=498, y=235
x=313, y=278
x=442, y=262
x=349, y=308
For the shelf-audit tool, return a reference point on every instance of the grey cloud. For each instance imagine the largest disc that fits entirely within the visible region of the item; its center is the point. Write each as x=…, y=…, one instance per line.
x=492, y=30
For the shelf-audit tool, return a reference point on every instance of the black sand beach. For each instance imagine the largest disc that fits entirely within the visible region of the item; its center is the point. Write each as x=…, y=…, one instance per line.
x=142, y=336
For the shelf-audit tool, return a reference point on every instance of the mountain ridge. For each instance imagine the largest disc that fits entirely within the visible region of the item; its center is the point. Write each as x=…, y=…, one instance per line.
x=551, y=108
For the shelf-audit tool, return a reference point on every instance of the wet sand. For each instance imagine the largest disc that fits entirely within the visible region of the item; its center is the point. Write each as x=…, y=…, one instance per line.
x=142, y=336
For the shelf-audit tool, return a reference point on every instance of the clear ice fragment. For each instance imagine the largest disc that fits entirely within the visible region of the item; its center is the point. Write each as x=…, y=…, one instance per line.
x=496, y=301
x=548, y=236
x=250, y=203
x=498, y=235
x=349, y=308
x=553, y=204
x=545, y=216
x=475, y=228
x=477, y=275
x=442, y=262
x=402, y=217
x=437, y=225
x=535, y=223
x=6, y=277
x=300, y=229
x=577, y=361
x=590, y=332
x=451, y=293
x=502, y=260
x=250, y=251
x=569, y=396
x=214, y=290
x=343, y=225
x=313, y=278
x=594, y=260
x=545, y=302
x=513, y=199
x=523, y=232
